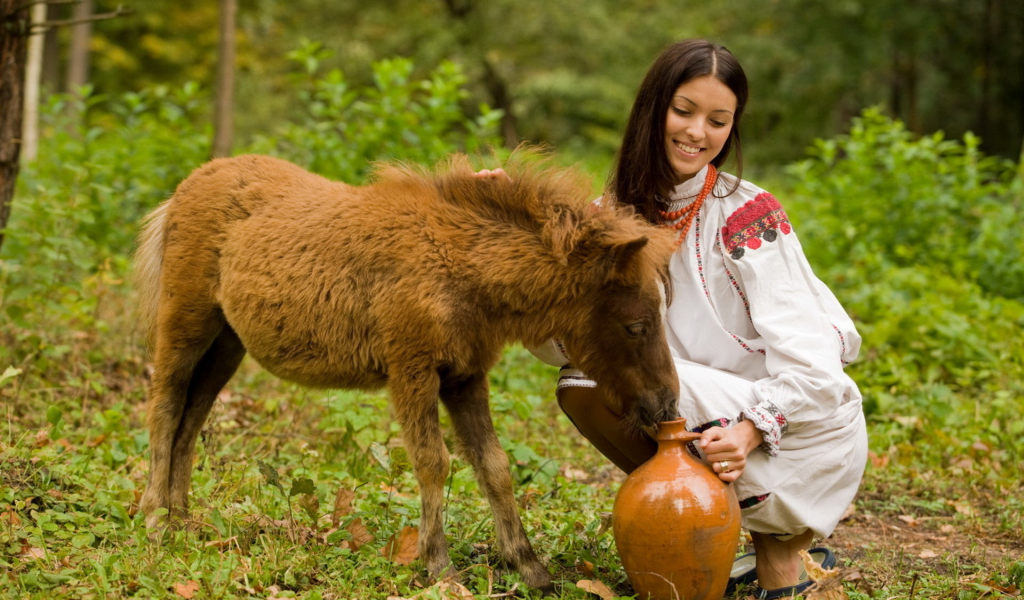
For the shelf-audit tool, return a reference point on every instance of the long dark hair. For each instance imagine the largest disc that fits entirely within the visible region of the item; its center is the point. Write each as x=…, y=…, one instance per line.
x=642, y=171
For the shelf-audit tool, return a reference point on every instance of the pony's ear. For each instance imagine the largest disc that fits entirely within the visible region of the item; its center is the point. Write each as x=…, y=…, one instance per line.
x=620, y=256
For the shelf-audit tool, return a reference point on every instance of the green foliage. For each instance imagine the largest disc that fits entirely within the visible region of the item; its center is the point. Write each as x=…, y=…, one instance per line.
x=902, y=229
x=343, y=128
x=880, y=191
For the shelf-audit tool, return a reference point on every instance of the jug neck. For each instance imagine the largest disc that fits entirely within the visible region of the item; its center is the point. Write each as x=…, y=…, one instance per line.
x=671, y=432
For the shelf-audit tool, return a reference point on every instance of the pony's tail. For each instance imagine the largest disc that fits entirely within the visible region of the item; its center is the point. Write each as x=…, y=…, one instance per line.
x=146, y=266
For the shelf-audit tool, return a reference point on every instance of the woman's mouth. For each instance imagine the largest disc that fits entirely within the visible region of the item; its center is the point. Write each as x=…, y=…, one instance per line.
x=692, y=150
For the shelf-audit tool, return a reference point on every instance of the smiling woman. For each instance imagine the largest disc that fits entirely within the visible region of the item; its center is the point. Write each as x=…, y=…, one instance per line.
x=759, y=343
x=698, y=125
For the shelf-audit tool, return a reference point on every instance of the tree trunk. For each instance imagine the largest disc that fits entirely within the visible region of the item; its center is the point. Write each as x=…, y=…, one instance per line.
x=14, y=25
x=223, y=126
x=502, y=99
x=33, y=75
x=78, y=54
x=51, y=79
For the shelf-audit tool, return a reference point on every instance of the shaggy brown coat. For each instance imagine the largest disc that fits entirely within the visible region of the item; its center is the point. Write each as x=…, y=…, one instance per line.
x=414, y=282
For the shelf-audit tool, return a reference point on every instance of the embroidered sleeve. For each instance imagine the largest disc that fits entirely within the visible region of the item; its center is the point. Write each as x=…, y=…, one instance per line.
x=772, y=424
x=796, y=317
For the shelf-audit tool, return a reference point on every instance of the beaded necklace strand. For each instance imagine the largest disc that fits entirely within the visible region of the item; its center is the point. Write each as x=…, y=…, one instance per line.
x=687, y=214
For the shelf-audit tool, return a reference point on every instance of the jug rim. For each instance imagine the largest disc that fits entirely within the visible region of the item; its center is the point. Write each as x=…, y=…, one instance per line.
x=675, y=430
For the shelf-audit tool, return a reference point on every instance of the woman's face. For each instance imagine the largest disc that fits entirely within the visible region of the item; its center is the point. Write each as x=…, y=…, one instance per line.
x=698, y=123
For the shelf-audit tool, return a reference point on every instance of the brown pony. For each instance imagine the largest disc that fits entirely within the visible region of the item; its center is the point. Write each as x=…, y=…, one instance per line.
x=415, y=282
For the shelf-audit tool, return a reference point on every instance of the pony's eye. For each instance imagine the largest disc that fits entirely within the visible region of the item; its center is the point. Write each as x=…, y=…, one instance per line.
x=636, y=329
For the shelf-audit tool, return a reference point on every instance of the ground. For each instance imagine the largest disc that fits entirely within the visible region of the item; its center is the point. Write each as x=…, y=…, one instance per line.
x=308, y=494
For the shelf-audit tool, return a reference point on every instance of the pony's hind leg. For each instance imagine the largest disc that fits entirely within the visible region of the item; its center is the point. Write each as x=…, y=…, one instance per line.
x=212, y=373
x=185, y=331
x=414, y=400
x=468, y=406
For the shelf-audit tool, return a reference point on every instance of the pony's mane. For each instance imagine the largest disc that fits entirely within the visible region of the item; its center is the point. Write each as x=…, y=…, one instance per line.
x=552, y=201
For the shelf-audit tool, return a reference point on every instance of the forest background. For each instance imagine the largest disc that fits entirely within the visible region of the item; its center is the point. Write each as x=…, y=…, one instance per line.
x=891, y=131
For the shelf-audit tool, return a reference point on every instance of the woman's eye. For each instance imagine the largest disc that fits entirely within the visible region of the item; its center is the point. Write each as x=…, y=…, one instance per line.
x=681, y=112
x=635, y=330
x=718, y=124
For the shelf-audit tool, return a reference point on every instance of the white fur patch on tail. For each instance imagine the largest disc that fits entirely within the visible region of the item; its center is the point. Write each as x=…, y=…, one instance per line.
x=147, y=264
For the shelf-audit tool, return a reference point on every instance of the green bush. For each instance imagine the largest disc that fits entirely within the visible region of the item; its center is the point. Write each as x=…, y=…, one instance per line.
x=880, y=192
x=919, y=239
x=343, y=130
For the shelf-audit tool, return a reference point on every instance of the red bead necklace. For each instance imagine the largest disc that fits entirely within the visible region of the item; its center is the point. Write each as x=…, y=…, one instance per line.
x=687, y=214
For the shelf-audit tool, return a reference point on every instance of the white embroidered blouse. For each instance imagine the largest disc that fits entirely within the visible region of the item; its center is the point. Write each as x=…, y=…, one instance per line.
x=745, y=301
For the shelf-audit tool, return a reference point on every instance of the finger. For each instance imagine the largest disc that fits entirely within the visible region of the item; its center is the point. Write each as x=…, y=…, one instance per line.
x=482, y=173
x=710, y=435
x=731, y=476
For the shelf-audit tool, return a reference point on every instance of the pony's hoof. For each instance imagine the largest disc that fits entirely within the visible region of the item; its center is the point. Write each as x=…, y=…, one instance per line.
x=536, y=576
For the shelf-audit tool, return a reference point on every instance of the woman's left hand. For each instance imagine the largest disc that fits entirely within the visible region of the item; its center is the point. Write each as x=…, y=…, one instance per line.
x=727, y=449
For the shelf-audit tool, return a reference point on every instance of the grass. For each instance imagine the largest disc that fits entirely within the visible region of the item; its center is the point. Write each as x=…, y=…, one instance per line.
x=73, y=462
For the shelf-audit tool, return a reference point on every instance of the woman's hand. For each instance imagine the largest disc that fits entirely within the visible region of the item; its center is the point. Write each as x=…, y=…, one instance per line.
x=727, y=449
x=488, y=174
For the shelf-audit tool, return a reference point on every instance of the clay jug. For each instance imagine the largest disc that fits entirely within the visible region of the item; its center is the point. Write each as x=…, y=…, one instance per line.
x=676, y=523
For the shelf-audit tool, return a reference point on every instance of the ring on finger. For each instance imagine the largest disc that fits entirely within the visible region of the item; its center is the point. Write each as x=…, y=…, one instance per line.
x=724, y=465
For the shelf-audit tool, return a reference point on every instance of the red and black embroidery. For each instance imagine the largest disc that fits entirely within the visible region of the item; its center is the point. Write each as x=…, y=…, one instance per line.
x=760, y=219
x=722, y=422
x=753, y=500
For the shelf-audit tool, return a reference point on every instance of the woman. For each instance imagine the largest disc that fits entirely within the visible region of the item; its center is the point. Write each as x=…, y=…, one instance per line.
x=759, y=342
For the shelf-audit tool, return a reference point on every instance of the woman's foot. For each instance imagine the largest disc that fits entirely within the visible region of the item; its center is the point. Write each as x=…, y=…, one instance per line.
x=778, y=562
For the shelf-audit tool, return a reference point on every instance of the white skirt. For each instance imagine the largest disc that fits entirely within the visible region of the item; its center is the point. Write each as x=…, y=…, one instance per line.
x=812, y=480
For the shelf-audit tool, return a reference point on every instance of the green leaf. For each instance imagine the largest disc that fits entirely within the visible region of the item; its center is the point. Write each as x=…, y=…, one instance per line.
x=380, y=454
x=9, y=373
x=270, y=474
x=83, y=540
x=54, y=414
x=303, y=485
x=399, y=461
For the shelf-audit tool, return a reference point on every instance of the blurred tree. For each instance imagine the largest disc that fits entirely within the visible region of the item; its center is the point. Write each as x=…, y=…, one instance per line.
x=223, y=122
x=14, y=28
x=78, y=51
x=565, y=72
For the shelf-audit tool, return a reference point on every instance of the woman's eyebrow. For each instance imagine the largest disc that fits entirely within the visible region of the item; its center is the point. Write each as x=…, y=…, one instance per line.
x=695, y=104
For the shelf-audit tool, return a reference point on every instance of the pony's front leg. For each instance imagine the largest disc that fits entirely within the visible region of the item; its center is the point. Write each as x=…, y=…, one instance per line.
x=414, y=397
x=468, y=405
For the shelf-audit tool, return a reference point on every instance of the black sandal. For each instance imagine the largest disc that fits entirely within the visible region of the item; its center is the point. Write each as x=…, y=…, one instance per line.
x=822, y=556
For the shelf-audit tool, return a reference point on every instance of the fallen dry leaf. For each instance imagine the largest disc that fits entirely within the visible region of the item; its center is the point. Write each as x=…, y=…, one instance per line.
x=360, y=535
x=221, y=543
x=963, y=507
x=586, y=567
x=403, y=547
x=828, y=585
x=573, y=474
x=342, y=505
x=947, y=528
x=33, y=553
x=595, y=586
x=186, y=590
x=878, y=462
x=448, y=590
x=909, y=520
x=11, y=518
x=927, y=554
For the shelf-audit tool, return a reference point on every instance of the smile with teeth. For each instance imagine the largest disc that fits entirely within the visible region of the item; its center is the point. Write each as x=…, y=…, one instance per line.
x=687, y=149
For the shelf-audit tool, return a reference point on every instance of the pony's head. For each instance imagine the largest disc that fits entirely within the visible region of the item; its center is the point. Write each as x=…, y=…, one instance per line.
x=594, y=276
x=618, y=337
